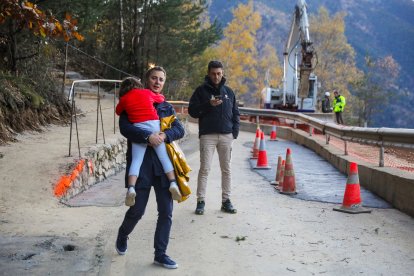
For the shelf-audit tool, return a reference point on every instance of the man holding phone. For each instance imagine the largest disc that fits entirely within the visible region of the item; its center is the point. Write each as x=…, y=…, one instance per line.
x=214, y=104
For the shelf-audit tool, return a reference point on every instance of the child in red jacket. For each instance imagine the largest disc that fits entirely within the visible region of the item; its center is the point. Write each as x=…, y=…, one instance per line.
x=138, y=103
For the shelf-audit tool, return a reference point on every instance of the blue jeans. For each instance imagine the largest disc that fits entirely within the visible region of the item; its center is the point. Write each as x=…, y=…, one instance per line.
x=164, y=222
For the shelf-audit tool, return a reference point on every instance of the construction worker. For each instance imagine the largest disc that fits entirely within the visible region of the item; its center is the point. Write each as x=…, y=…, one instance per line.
x=338, y=106
x=326, y=103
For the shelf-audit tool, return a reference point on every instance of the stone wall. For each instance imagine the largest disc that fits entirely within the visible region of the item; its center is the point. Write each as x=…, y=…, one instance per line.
x=100, y=162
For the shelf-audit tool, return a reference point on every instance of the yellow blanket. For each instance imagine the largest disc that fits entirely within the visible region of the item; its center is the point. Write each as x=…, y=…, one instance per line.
x=181, y=168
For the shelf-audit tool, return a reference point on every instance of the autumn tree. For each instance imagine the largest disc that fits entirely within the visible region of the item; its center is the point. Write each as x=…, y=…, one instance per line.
x=180, y=36
x=17, y=19
x=87, y=12
x=335, y=67
x=270, y=72
x=269, y=64
x=198, y=70
x=197, y=67
x=238, y=50
x=29, y=93
x=375, y=88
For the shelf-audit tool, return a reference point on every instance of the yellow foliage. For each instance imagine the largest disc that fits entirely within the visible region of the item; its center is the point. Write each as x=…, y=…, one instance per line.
x=269, y=62
x=336, y=66
x=238, y=48
x=30, y=16
x=78, y=36
x=58, y=26
x=28, y=4
x=42, y=32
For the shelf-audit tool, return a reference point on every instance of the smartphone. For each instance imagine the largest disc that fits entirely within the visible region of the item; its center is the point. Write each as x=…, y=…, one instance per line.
x=218, y=97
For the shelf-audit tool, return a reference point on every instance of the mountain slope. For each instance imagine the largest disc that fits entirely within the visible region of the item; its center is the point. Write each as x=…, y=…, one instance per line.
x=373, y=27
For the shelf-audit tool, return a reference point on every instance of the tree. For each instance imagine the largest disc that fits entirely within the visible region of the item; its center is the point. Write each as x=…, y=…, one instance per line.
x=198, y=70
x=180, y=35
x=335, y=67
x=269, y=70
x=269, y=62
x=166, y=33
x=16, y=17
x=375, y=87
x=238, y=50
x=87, y=12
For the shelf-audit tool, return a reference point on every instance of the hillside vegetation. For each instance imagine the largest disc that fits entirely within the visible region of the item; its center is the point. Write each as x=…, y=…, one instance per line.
x=113, y=39
x=375, y=28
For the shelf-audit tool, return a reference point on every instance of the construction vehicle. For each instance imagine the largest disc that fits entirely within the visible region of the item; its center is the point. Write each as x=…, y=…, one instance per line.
x=299, y=82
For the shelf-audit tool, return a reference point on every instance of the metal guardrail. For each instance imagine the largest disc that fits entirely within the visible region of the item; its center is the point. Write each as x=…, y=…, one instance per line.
x=72, y=88
x=71, y=99
x=394, y=137
x=381, y=137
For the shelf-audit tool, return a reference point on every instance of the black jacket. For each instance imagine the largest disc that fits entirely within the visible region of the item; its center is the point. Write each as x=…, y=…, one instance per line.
x=224, y=118
x=326, y=105
x=151, y=165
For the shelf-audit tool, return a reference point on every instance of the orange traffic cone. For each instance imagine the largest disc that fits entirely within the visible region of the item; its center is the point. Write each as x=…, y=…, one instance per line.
x=273, y=132
x=262, y=158
x=289, y=184
x=256, y=145
x=281, y=176
x=256, y=139
x=279, y=166
x=352, y=197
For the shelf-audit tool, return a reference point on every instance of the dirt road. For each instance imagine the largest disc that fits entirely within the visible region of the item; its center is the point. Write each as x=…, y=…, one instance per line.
x=271, y=234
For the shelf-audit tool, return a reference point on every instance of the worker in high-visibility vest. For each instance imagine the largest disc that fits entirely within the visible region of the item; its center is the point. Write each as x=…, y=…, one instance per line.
x=338, y=106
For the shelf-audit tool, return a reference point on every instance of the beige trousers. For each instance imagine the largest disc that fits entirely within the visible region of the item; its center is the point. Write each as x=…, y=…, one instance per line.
x=208, y=144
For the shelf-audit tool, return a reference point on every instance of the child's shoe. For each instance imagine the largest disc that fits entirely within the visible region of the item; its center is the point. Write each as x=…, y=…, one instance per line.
x=175, y=191
x=130, y=197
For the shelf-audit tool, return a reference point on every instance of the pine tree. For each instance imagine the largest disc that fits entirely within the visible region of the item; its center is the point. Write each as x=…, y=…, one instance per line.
x=166, y=33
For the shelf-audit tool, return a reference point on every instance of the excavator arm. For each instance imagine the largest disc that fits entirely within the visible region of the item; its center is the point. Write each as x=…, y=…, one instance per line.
x=298, y=78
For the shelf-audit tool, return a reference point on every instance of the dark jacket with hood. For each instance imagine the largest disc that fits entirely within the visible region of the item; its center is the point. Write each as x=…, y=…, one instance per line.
x=222, y=119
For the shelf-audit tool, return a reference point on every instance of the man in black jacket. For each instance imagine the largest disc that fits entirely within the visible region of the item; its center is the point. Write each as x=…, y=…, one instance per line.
x=214, y=104
x=151, y=175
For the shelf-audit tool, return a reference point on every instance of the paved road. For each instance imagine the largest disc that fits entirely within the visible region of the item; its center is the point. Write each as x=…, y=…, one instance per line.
x=316, y=179
x=271, y=234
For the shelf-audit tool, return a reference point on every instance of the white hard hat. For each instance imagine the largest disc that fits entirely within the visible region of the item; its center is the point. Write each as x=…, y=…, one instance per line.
x=327, y=94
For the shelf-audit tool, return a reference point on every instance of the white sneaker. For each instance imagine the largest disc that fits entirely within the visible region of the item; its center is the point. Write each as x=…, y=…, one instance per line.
x=130, y=197
x=175, y=191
